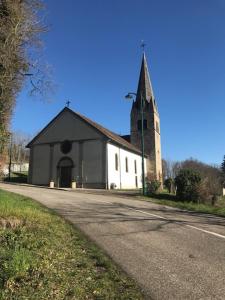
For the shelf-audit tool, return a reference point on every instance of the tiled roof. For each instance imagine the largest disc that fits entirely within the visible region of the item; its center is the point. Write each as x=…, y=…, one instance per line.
x=126, y=137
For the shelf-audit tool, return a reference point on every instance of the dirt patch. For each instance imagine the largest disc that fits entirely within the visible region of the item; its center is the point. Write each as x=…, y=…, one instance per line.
x=11, y=223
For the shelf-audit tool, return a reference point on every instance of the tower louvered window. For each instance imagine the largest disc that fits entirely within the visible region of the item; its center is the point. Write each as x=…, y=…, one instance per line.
x=145, y=124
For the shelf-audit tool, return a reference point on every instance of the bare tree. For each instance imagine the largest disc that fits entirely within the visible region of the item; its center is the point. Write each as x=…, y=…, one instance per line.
x=165, y=169
x=19, y=152
x=20, y=29
x=170, y=168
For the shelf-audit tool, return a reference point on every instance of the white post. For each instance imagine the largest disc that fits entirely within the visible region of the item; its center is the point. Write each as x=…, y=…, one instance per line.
x=51, y=184
x=74, y=185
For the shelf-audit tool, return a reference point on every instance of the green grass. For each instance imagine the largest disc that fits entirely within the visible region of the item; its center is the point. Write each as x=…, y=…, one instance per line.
x=171, y=200
x=43, y=257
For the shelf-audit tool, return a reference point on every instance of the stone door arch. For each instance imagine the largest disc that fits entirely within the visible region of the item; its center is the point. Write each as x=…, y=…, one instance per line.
x=65, y=167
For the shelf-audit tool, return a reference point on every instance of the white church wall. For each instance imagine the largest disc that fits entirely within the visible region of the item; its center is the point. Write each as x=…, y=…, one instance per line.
x=92, y=162
x=40, y=168
x=121, y=178
x=67, y=127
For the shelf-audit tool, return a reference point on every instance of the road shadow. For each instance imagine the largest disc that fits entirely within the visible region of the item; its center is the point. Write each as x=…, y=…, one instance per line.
x=106, y=213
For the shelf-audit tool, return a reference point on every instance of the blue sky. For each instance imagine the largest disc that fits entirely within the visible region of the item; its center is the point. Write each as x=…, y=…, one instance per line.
x=93, y=47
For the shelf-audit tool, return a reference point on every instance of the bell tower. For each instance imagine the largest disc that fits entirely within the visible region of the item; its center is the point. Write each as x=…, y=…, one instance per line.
x=145, y=101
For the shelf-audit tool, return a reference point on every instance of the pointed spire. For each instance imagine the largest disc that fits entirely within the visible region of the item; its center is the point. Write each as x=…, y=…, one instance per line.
x=144, y=85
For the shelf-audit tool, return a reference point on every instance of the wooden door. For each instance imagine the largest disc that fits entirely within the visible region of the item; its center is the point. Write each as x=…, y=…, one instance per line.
x=65, y=176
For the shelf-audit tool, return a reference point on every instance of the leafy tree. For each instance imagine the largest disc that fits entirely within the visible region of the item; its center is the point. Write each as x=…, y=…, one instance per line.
x=211, y=185
x=188, y=182
x=223, y=170
x=213, y=177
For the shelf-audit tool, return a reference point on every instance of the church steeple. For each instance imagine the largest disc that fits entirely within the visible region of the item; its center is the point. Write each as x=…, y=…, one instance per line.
x=144, y=83
x=145, y=89
x=151, y=123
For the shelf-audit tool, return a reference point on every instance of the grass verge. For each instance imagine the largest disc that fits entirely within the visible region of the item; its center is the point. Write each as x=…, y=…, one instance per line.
x=171, y=200
x=44, y=257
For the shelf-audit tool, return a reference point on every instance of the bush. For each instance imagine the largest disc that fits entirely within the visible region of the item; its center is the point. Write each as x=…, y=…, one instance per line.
x=211, y=184
x=168, y=183
x=153, y=186
x=188, y=183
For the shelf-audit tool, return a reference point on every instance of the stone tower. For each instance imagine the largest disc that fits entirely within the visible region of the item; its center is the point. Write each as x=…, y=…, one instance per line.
x=151, y=123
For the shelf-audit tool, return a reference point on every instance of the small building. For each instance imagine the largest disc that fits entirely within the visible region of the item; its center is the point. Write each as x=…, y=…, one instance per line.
x=74, y=148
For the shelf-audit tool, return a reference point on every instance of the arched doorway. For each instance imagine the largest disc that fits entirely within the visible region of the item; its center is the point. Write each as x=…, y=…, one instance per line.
x=65, y=166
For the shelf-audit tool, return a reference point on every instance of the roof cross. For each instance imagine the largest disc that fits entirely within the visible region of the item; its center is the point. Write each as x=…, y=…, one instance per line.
x=68, y=103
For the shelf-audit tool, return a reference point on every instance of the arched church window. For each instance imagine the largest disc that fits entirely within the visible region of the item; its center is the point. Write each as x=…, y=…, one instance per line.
x=66, y=147
x=116, y=162
x=65, y=162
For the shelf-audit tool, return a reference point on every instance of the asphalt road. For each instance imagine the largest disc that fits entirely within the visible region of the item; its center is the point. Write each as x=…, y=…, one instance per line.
x=172, y=254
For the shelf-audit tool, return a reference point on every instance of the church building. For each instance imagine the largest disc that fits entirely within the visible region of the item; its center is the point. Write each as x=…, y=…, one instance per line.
x=73, y=148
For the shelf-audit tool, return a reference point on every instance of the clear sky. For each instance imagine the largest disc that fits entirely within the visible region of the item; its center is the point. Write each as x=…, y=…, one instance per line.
x=93, y=47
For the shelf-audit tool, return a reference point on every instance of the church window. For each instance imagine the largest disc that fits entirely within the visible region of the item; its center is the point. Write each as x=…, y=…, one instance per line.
x=116, y=162
x=136, y=181
x=126, y=164
x=145, y=124
x=66, y=147
x=135, y=166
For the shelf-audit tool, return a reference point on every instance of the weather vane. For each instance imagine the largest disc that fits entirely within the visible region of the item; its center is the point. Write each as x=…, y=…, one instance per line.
x=143, y=44
x=68, y=103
